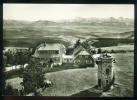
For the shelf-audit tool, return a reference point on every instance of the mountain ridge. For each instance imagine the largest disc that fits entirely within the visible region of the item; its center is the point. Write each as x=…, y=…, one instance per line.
x=83, y=21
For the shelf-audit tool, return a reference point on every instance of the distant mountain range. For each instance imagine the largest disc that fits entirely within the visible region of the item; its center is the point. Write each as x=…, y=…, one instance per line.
x=79, y=21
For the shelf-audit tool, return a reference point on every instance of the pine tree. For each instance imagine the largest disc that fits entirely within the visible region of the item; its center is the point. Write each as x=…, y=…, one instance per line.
x=77, y=43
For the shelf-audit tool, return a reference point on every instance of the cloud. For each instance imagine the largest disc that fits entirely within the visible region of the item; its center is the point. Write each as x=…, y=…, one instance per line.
x=65, y=11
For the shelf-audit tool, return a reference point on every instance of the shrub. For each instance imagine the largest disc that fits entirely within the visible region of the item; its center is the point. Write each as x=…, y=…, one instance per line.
x=9, y=90
x=33, y=77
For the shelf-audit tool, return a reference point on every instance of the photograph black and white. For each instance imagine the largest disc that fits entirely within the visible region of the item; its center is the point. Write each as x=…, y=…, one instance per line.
x=75, y=50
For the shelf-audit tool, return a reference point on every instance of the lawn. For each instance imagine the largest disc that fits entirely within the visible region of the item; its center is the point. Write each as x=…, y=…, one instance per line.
x=125, y=73
x=71, y=81
x=67, y=82
x=120, y=48
x=124, y=69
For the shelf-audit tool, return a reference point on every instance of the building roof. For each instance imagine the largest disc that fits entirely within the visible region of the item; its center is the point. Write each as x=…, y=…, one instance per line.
x=96, y=56
x=83, y=52
x=51, y=46
x=15, y=48
x=67, y=56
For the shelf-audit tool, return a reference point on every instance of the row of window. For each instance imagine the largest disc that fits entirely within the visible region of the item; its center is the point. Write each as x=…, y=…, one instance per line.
x=99, y=82
x=68, y=60
x=54, y=59
x=17, y=50
x=86, y=61
x=78, y=61
x=49, y=52
x=83, y=56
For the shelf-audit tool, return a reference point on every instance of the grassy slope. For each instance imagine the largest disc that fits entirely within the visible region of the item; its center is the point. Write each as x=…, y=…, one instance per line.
x=127, y=34
x=124, y=69
x=71, y=81
x=66, y=82
x=122, y=47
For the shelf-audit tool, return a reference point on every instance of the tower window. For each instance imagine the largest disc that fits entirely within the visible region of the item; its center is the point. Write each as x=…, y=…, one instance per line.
x=106, y=81
x=107, y=71
x=99, y=82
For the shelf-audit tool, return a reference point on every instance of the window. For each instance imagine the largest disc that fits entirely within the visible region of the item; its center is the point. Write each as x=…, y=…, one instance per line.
x=67, y=60
x=86, y=61
x=86, y=56
x=56, y=52
x=57, y=59
x=79, y=61
x=99, y=82
x=47, y=52
x=107, y=71
x=106, y=81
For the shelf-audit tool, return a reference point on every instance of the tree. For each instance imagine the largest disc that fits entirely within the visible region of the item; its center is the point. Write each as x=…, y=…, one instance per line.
x=99, y=51
x=4, y=60
x=77, y=43
x=9, y=57
x=112, y=51
x=33, y=77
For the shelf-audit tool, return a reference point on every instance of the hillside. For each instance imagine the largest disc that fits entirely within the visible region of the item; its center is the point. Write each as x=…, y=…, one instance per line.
x=128, y=35
x=80, y=26
x=15, y=32
x=67, y=82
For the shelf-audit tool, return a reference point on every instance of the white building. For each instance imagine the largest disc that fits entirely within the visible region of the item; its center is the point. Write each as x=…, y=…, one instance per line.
x=68, y=58
x=50, y=52
x=56, y=53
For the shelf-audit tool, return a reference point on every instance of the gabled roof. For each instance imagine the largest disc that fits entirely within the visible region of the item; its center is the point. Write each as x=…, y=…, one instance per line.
x=84, y=52
x=67, y=56
x=51, y=46
x=15, y=48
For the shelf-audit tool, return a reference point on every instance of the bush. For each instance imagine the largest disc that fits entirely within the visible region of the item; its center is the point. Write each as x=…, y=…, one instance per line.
x=17, y=58
x=112, y=51
x=99, y=51
x=9, y=90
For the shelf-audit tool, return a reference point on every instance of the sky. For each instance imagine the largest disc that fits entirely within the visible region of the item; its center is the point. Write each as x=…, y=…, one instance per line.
x=33, y=12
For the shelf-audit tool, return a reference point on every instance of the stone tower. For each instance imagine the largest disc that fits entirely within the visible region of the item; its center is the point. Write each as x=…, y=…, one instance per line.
x=105, y=71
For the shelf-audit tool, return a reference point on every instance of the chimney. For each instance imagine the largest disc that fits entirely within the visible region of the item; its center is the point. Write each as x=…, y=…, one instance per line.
x=45, y=44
